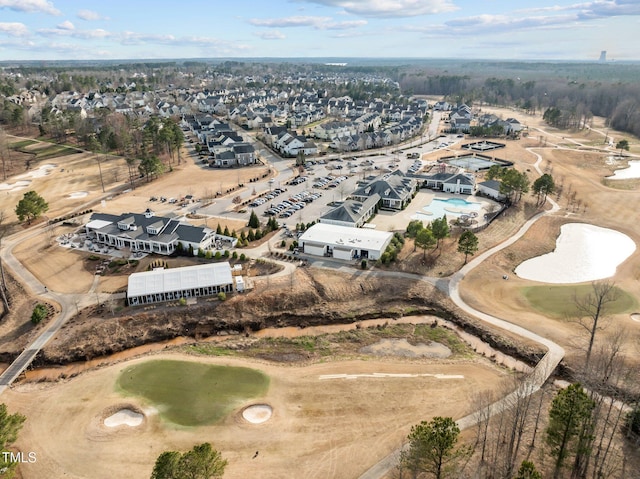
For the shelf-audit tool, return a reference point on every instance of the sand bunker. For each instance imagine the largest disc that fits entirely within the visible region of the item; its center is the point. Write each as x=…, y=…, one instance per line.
x=583, y=253
x=632, y=171
x=124, y=417
x=77, y=194
x=39, y=172
x=258, y=413
x=18, y=185
x=636, y=317
x=401, y=347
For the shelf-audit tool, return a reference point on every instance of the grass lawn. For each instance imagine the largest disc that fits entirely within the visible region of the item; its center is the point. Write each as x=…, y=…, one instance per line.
x=16, y=145
x=559, y=301
x=191, y=394
x=54, y=151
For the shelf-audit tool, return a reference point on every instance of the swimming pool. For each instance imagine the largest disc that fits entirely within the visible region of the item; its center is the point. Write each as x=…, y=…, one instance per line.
x=452, y=207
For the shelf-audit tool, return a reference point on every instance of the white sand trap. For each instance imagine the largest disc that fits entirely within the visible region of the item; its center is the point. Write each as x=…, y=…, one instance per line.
x=635, y=317
x=583, y=253
x=632, y=171
x=124, y=417
x=18, y=185
x=77, y=194
x=39, y=172
x=402, y=347
x=257, y=414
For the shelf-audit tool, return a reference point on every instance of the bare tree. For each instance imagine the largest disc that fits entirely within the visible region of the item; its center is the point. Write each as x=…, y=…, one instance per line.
x=592, y=308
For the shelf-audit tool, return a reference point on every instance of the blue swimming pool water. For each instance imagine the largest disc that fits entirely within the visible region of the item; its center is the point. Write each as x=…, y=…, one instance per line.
x=436, y=209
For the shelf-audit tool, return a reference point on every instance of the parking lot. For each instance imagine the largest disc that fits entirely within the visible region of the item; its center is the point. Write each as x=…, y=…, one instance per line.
x=307, y=196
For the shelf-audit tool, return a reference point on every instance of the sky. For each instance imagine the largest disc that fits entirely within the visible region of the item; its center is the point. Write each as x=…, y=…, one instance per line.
x=468, y=29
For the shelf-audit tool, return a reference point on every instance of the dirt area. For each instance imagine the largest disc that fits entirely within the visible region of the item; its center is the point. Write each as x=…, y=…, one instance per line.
x=328, y=426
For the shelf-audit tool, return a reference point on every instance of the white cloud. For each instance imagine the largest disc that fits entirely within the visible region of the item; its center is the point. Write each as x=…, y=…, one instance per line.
x=66, y=25
x=271, y=35
x=90, y=15
x=288, y=22
x=30, y=6
x=14, y=29
x=318, y=23
x=67, y=29
x=390, y=8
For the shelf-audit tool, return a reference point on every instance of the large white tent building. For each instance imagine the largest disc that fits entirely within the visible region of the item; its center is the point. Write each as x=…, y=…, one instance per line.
x=344, y=242
x=171, y=284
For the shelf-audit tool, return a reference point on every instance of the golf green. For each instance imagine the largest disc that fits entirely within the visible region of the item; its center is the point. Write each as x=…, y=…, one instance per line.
x=190, y=393
x=560, y=301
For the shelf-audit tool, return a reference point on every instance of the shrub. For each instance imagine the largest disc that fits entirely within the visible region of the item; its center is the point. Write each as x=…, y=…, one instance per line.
x=201, y=253
x=235, y=255
x=283, y=244
x=208, y=254
x=39, y=313
x=182, y=301
x=226, y=253
x=218, y=255
x=93, y=257
x=363, y=264
x=222, y=295
x=243, y=257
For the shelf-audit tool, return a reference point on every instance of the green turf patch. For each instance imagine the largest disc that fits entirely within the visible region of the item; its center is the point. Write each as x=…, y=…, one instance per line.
x=192, y=394
x=54, y=151
x=16, y=145
x=560, y=301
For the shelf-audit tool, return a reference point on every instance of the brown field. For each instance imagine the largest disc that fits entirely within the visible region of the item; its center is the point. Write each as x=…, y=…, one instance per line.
x=319, y=429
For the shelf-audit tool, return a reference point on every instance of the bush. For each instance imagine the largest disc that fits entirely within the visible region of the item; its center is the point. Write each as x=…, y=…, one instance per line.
x=283, y=244
x=222, y=295
x=218, y=255
x=182, y=301
x=201, y=253
x=243, y=257
x=363, y=264
x=39, y=313
x=208, y=254
x=226, y=253
x=235, y=255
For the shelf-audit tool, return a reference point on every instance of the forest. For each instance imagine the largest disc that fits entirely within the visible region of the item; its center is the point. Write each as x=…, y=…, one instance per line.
x=578, y=91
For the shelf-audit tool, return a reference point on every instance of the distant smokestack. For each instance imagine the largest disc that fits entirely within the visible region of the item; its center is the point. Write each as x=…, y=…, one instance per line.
x=603, y=56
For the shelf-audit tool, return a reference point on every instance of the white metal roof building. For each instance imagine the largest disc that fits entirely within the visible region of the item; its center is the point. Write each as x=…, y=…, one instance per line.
x=344, y=242
x=171, y=284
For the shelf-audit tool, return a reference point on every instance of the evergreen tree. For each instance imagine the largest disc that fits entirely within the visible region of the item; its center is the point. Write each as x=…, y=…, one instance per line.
x=570, y=410
x=254, y=222
x=467, y=244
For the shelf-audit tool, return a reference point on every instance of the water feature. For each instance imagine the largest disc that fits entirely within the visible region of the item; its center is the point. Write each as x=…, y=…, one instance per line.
x=452, y=207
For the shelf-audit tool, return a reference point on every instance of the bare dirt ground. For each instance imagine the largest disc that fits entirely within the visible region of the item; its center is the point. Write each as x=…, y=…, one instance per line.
x=319, y=428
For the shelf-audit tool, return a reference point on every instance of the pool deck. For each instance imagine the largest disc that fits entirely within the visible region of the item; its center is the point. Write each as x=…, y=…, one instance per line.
x=397, y=221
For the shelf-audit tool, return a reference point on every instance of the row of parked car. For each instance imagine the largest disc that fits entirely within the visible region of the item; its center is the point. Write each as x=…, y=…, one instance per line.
x=269, y=196
x=293, y=204
x=417, y=166
x=297, y=180
x=329, y=182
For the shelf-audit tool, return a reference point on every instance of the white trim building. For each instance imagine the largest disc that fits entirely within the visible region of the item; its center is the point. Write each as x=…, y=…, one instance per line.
x=160, y=285
x=148, y=233
x=344, y=242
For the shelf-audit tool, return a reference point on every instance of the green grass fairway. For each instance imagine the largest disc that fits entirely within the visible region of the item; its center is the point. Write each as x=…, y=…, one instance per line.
x=192, y=394
x=559, y=301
